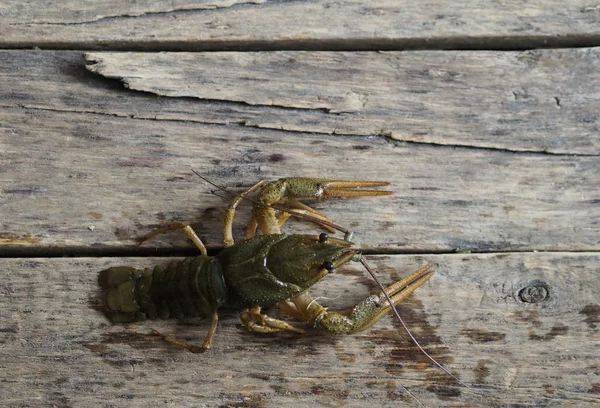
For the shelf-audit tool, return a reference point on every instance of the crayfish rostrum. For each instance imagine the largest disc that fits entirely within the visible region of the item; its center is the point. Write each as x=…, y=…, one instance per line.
x=261, y=271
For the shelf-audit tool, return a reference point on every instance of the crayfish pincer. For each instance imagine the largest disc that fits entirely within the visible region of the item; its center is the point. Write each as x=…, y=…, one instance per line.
x=261, y=271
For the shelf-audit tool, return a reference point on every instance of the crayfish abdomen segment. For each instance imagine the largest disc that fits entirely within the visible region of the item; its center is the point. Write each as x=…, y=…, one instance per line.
x=189, y=288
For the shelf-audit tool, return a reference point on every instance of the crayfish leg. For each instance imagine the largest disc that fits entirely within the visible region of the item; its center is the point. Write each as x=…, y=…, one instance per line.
x=255, y=321
x=206, y=344
x=290, y=309
x=191, y=234
x=230, y=214
x=300, y=208
x=251, y=230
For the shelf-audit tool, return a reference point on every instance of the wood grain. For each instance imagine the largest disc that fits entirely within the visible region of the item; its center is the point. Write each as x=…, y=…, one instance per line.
x=57, y=348
x=96, y=181
x=543, y=101
x=349, y=24
x=486, y=151
x=87, y=166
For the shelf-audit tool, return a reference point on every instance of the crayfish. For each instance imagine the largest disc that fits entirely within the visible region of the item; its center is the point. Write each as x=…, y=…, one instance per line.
x=261, y=271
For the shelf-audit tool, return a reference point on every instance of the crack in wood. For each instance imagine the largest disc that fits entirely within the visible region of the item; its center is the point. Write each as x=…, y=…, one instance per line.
x=150, y=14
x=394, y=140
x=391, y=139
x=482, y=43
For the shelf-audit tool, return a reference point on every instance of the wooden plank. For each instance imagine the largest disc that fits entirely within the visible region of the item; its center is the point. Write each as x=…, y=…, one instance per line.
x=94, y=182
x=58, y=349
x=414, y=102
x=105, y=173
x=349, y=24
x=543, y=101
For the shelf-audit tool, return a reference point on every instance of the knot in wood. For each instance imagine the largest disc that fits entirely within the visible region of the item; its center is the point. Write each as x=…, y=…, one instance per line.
x=535, y=292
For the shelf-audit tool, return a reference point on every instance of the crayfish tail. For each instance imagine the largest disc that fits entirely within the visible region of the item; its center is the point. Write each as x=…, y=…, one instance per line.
x=192, y=287
x=126, y=293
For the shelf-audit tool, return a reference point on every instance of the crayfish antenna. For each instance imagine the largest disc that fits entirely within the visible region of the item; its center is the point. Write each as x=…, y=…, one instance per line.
x=404, y=325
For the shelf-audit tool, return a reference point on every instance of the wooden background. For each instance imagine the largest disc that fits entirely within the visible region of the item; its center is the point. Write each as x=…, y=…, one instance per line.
x=484, y=116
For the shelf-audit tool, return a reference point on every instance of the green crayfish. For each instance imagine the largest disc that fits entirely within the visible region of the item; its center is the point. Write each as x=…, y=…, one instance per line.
x=261, y=271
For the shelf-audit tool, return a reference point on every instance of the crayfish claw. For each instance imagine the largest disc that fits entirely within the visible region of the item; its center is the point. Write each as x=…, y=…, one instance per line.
x=374, y=307
x=286, y=191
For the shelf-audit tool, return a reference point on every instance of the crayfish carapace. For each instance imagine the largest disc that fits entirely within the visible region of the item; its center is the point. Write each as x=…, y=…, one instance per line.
x=261, y=271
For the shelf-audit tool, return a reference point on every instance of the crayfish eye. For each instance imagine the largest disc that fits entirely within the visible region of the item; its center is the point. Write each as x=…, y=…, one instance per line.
x=323, y=238
x=329, y=266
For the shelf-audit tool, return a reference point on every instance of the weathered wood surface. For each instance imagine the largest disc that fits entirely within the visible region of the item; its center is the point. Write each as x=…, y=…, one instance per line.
x=486, y=151
x=57, y=347
x=541, y=101
x=101, y=181
x=86, y=167
x=262, y=24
